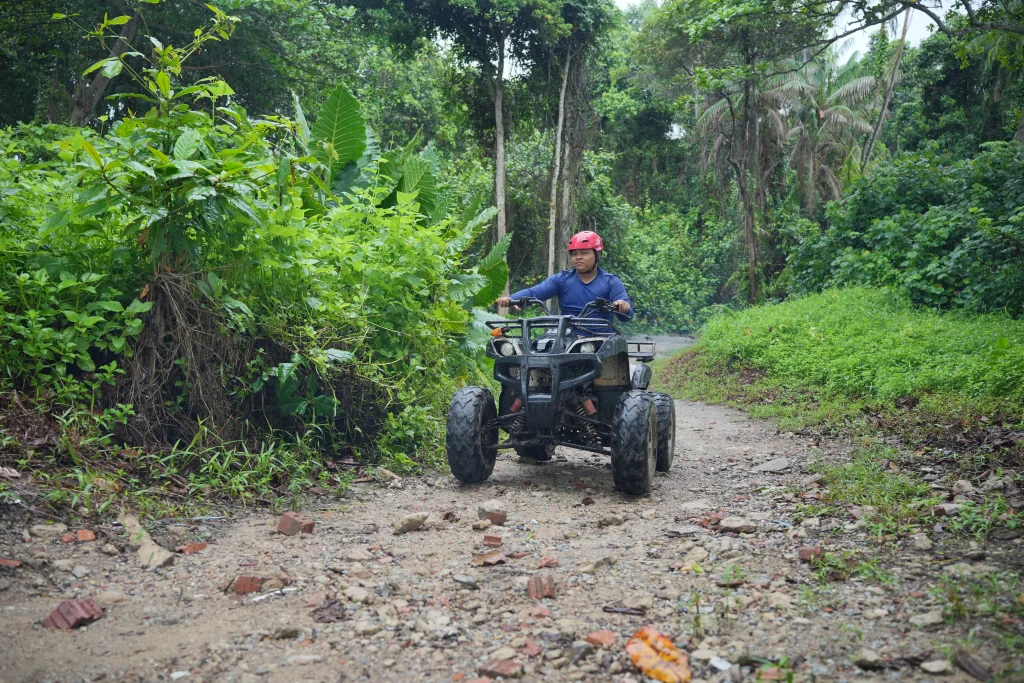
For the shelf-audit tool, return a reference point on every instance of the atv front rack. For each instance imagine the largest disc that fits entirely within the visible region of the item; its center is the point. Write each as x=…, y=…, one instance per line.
x=561, y=324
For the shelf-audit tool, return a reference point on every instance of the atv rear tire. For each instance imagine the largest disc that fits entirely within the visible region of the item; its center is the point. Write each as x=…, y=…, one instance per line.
x=666, y=431
x=470, y=439
x=538, y=453
x=634, y=442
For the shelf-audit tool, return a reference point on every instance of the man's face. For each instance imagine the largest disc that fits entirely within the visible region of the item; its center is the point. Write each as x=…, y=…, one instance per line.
x=583, y=260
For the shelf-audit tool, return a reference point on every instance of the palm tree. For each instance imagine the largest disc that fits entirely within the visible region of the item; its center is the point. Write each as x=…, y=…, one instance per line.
x=827, y=107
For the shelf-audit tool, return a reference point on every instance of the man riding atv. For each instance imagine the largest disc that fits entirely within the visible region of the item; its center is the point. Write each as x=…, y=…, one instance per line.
x=571, y=379
x=583, y=284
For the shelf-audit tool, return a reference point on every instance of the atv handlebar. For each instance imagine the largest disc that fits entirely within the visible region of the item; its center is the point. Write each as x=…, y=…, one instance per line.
x=528, y=300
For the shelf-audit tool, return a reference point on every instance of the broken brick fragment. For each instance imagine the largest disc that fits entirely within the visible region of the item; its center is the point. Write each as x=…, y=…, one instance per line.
x=540, y=611
x=247, y=584
x=190, y=548
x=603, y=638
x=808, y=554
x=292, y=523
x=73, y=613
x=541, y=586
x=547, y=561
x=492, y=540
x=509, y=668
x=84, y=535
x=10, y=564
x=531, y=649
x=67, y=538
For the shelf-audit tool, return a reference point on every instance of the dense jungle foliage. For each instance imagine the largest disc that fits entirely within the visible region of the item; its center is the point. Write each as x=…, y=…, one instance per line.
x=272, y=230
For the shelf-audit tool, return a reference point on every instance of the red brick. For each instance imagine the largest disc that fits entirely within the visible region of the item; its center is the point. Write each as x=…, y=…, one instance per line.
x=492, y=540
x=808, y=554
x=10, y=564
x=541, y=586
x=547, y=561
x=531, y=649
x=247, y=584
x=290, y=523
x=603, y=638
x=73, y=613
x=190, y=548
x=67, y=538
x=509, y=668
x=540, y=611
x=307, y=526
x=84, y=535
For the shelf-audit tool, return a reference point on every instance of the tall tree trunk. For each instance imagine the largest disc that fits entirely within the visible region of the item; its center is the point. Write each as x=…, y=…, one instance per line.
x=748, y=234
x=499, y=147
x=557, y=165
x=88, y=96
x=890, y=86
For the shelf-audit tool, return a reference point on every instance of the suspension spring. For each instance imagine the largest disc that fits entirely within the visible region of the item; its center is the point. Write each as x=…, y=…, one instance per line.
x=588, y=429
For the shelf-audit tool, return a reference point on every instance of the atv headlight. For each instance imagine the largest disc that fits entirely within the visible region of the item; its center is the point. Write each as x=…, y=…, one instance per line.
x=506, y=348
x=587, y=347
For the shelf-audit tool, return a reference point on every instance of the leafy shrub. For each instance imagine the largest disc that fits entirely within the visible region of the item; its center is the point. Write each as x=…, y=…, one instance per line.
x=215, y=275
x=875, y=343
x=948, y=235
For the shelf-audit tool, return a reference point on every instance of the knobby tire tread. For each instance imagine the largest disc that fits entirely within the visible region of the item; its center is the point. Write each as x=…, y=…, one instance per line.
x=467, y=439
x=632, y=468
x=666, y=431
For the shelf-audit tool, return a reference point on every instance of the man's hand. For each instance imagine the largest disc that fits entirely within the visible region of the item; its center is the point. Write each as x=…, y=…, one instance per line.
x=622, y=306
x=505, y=301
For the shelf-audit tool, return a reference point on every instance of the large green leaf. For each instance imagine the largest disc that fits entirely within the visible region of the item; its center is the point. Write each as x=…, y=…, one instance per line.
x=418, y=177
x=339, y=127
x=497, y=278
x=497, y=254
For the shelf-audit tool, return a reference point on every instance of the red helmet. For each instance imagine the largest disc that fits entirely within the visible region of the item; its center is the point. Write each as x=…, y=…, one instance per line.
x=587, y=240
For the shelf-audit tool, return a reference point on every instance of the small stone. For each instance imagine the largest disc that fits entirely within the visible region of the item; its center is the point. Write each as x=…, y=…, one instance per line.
x=111, y=597
x=994, y=484
x=48, y=532
x=541, y=586
x=300, y=660
x=569, y=535
x=509, y=668
x=720, y=664
x=503, y=653
x=941, y=667
x=868, y=660
x=109, y=549
x=609, y=520
x=580, y=649
x=357, y=594
x=962, y=487
x=696, y=555
x=178, y=530
x=358, y=555
x=774, y=466
x=80, y=572
x=190, y=548
x=410, y=522
x=738, y=525
x=467, y=581
x=367, y=628
x=547, y=561
x=73, y=613
x=922, y=542
x=67, y=538
x=703, y=655
x=603, y=638
x=481, y=524
x=927, y=619
x=642, y=601
x=493, y=510
x=287, y=633
x=178, y=675
x=695, y=506
x=947, y=510
x=876, y=613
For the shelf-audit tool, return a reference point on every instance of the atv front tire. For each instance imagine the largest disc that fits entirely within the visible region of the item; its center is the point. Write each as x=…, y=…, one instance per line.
x=470, y=438
x=634, y=442
x=666, y=431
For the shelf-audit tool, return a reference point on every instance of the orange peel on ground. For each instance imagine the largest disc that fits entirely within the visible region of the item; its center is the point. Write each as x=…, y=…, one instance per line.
x=658, y=657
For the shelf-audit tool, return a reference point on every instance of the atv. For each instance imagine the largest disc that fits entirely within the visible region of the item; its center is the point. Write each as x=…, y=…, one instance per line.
x=565, y=381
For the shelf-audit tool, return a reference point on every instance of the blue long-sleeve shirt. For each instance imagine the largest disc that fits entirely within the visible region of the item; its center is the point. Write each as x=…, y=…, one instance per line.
x=573, y=294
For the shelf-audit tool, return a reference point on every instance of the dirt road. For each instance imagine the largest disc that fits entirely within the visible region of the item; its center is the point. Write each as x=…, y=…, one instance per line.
x=412, y=607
